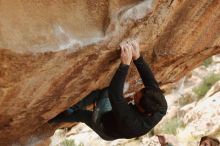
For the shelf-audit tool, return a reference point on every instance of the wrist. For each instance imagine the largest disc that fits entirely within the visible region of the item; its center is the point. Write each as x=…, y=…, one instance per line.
x=126, y=63
x=136, y=57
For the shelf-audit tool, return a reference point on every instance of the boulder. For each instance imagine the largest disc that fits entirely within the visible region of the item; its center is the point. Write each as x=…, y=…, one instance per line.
x=214, y=89
x=197, y=120
x=53, y=53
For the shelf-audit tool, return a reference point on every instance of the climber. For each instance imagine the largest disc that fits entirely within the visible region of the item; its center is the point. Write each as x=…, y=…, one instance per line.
x=209, y=141
x=112, y=117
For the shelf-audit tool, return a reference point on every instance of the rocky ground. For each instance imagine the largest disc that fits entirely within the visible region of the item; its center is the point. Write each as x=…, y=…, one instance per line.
x=189, y=116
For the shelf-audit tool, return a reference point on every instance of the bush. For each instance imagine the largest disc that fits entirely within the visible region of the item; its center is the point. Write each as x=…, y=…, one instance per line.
x=186, y=99
x=207, y=62
x=69, y=142
x=207, y=83
x=170, y=126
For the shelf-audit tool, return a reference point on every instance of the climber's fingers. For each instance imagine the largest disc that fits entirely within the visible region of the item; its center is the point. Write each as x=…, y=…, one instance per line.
x=135, y=44
x=126, y=54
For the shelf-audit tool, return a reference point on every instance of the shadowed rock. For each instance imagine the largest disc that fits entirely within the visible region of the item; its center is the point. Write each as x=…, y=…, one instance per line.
x=56, y=52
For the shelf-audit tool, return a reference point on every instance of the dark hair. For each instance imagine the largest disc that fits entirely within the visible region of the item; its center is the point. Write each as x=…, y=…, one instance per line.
x=152, y=99
x=213, y=141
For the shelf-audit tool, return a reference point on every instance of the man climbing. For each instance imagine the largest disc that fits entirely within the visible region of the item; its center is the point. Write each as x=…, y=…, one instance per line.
x=113, y=117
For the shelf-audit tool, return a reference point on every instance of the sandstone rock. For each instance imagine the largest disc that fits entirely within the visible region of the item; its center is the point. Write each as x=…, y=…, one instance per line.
x=53, y=53
x=170, y=139
x=188, y=107
x=81, y=134
x=214, y=89
x=204, y=118
x=216, y=59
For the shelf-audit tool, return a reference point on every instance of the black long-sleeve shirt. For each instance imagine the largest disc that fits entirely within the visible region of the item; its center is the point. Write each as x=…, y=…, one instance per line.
x=124, y=120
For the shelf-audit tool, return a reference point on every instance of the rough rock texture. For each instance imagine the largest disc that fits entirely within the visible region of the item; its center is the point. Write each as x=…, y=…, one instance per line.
x=53, y=52
x=198, y=120
x=82, y=134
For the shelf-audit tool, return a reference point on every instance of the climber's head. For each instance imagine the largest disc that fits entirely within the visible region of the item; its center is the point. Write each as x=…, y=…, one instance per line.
x=209, y=141
x=148, y=100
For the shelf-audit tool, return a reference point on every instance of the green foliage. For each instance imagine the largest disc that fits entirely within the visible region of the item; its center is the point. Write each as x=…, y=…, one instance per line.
x=207, y=83
x=207, y=62
x=185, y=100
x=170, y=126
x=69, y=142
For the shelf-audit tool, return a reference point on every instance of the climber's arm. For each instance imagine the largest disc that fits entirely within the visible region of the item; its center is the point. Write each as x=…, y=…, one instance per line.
x=118, y=102
x=145, y=73
x=142, y=67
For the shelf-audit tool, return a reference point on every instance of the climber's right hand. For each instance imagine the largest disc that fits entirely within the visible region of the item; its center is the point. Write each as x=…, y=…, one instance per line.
x=135, y=49
x=126, y=53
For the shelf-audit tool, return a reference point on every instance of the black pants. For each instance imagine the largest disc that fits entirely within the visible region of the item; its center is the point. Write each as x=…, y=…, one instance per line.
x=90, y=118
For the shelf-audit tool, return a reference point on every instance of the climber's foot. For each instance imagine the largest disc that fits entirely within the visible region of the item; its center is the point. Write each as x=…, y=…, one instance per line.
x=59, y=118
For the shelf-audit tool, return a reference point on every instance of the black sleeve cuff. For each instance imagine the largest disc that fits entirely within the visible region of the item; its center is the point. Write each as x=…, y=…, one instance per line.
x=124, y=66
x=139, y=60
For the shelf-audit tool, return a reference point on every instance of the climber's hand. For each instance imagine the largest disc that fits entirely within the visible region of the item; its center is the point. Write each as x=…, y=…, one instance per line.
x=126, y=53
x=135, y=49
x=130, y=98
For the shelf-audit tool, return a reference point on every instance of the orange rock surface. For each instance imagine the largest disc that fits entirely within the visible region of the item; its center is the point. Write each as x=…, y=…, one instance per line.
x=54, y=52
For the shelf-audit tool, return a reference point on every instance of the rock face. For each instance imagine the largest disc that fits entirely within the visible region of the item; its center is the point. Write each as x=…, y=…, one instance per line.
x=198, y=120
x=82, y=134
x=53, y=53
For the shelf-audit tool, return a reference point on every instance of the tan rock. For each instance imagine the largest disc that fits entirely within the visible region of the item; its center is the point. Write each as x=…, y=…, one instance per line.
x=204, y=118
x=214, y=89
x=53, y=53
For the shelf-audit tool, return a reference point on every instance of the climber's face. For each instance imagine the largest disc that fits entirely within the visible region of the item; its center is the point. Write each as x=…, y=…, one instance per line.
x=137, y=97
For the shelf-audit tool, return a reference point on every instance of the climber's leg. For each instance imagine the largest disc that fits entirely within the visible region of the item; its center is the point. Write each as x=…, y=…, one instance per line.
x=102, y=105
x=66, y=116
x=80, y=115
x=89, y=99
